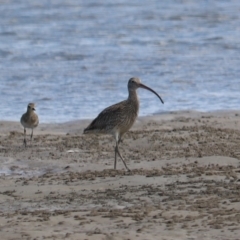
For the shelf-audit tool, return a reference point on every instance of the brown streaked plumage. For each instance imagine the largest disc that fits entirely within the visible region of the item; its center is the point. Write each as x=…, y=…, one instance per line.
x=29, y=120
x=119, y=118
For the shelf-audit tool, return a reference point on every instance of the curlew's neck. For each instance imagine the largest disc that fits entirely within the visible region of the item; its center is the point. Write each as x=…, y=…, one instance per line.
x=133, y=98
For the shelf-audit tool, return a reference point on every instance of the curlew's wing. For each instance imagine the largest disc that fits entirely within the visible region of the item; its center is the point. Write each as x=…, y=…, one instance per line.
x=108, y=119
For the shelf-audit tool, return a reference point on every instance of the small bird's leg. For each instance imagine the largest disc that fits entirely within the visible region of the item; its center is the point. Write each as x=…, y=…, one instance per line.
x=24, y=140
x=32, y=134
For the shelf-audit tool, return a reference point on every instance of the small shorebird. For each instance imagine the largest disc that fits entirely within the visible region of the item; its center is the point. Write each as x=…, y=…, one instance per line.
x=119, y=118
x=29, y=120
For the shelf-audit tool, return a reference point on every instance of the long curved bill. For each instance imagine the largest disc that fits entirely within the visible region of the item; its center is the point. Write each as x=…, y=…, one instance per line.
x=149, y=89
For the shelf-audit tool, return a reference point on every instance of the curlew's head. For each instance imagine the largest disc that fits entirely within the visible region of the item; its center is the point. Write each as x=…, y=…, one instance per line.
x=134, y=83
x=31, y=107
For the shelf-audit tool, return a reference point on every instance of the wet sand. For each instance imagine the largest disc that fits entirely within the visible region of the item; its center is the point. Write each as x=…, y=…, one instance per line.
x=184, y=184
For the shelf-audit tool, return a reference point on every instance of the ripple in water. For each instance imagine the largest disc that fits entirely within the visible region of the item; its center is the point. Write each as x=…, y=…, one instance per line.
x=74, y=59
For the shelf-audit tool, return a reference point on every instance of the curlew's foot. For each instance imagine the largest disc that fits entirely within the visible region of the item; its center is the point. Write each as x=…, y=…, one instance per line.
x=128, y=172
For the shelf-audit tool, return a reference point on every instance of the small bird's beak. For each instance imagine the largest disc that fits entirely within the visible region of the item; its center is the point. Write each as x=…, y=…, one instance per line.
x=33, y=109
x=149, y=89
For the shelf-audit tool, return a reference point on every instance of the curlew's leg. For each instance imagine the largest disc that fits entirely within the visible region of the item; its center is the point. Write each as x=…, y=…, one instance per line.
x=115, y=161
x=117, y=151
x=24, y=140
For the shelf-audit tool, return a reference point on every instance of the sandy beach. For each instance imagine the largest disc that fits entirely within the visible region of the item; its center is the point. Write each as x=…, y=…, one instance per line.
x=184, y=183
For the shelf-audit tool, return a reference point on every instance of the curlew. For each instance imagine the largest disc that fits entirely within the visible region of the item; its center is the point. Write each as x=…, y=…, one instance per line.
x=119, y=118
x=29, y=120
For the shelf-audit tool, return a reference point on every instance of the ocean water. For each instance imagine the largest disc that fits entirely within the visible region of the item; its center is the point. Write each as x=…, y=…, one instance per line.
x=74, y=58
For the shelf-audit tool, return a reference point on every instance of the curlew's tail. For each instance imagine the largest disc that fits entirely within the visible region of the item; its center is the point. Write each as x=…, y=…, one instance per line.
x=95, y=127
x=86, y=130
x=90, y=128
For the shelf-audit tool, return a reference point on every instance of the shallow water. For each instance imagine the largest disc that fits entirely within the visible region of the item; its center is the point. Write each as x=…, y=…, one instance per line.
x=74, y=58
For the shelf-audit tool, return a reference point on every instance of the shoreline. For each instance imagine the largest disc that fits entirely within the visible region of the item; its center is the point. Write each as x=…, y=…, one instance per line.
x=184, y=181
x=79, y=125
x=145, y=116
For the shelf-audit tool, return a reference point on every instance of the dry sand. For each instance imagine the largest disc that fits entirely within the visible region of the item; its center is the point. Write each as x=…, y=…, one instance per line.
x=184, y=184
